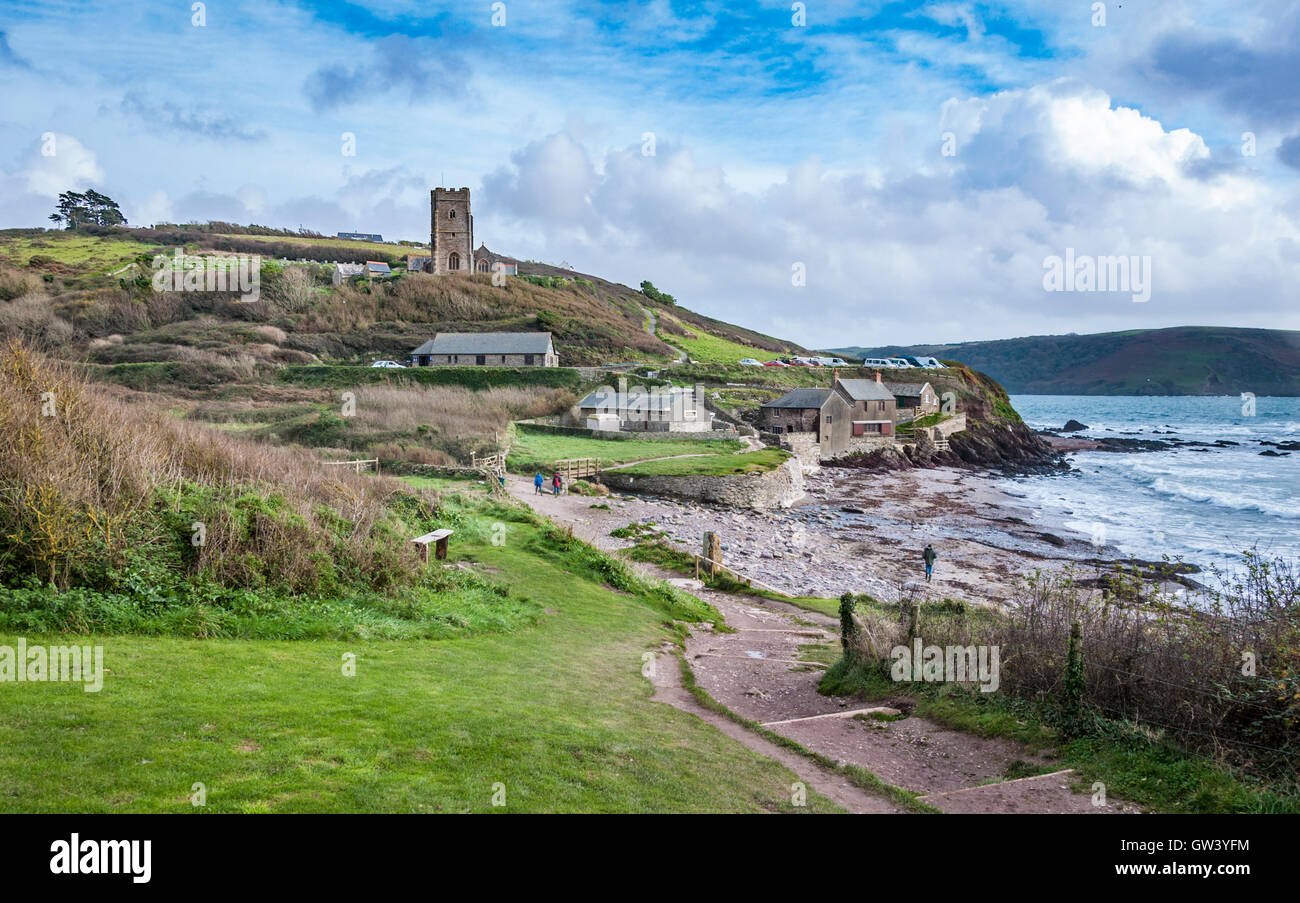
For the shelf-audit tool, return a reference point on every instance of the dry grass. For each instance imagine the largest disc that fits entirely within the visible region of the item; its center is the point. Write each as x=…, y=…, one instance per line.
x=87, y=481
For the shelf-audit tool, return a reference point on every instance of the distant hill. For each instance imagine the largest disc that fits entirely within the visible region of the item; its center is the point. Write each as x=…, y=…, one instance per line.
x=1182, y=360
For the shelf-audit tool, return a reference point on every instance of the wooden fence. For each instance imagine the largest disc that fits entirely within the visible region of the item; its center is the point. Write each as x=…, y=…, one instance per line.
x=359, y=464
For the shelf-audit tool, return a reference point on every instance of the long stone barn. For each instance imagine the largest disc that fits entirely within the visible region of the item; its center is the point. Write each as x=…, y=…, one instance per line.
x=487, y=349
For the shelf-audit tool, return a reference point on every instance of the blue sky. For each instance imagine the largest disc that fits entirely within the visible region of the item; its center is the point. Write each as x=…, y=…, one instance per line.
x=775, y=145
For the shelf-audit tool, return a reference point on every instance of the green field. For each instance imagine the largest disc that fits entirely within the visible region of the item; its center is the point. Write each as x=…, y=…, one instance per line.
x=97, y=254
x=712, y=465
x=537, y=450
x=712, y=349
x=558, y=714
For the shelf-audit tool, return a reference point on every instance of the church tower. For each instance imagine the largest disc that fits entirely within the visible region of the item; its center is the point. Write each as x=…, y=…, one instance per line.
x=451, y=231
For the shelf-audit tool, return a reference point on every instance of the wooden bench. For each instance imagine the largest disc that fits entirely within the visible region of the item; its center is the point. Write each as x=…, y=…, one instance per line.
x=438, y=538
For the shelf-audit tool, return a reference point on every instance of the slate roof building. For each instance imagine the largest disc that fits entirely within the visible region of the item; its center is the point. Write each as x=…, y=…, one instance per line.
x=822, y=412
x=662, y=410
x=487, y=349
x=874, y=408
x=913, y=399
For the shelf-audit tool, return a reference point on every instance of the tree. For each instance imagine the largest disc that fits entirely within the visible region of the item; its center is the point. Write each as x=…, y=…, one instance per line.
x=648, y=289
x=76, y=209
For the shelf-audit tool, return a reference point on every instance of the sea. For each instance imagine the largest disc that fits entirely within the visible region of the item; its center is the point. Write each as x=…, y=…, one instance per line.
x=1201, y=505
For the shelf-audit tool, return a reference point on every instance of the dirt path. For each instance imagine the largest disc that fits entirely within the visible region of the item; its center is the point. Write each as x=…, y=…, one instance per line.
x=652, y=329
x=765, y=672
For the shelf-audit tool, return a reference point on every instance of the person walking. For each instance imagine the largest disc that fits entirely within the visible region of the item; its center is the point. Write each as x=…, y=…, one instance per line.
x=537, y=483
x=555, y=483
x=929, y=555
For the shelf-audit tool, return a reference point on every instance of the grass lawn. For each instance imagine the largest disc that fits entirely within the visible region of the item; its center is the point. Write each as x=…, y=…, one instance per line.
x=558, y=713
x=533, y=450
x=712, y=465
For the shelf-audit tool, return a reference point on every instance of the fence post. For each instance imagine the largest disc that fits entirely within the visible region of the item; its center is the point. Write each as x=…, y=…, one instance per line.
x=848, y=628
x=1072, y=697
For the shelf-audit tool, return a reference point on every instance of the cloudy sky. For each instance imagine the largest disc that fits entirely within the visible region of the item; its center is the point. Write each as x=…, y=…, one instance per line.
x=917, y=162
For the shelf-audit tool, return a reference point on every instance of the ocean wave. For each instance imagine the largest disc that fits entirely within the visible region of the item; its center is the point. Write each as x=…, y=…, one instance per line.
x=1234, y=501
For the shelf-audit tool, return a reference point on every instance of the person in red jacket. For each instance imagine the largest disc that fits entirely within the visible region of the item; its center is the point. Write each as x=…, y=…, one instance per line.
x=555, y=484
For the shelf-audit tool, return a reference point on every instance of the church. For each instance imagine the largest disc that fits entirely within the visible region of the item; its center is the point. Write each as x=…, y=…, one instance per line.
x=451, y=238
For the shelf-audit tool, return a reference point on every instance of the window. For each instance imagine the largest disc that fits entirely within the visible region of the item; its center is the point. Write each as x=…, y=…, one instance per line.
x=828, y=418
x=453, y=261
x=480, y=359
x=528, y=359
x=482, y=266
x=451, y=214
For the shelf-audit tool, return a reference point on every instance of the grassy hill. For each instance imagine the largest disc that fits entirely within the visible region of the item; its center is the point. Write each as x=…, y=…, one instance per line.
x=1183, y=360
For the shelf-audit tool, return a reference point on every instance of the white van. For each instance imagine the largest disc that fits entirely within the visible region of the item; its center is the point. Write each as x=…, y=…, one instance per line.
x=877, y=362
x=899, y=364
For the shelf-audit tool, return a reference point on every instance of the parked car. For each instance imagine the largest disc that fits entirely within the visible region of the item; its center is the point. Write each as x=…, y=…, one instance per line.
x=899, y=363
x=929, y=363
x=388, y=364
x=877, y=362
x=775, y=364
x=749, y=362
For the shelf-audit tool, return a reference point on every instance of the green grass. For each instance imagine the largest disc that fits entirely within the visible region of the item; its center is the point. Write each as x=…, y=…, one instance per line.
x=759, y=461
x=712, y=349
x=97, y=254
x=534, y=449
x=557, y=712
x=441, y=483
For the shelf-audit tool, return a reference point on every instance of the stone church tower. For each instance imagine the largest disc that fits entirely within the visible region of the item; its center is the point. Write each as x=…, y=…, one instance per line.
x=451, y=231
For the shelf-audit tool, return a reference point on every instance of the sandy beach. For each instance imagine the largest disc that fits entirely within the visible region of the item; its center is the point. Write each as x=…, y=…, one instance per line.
x=861, y=532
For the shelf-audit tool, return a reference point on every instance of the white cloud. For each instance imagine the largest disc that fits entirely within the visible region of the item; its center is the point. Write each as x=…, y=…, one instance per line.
x=70, y=165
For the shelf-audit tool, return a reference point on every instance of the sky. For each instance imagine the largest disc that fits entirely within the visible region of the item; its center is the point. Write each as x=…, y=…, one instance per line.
x=828, y=172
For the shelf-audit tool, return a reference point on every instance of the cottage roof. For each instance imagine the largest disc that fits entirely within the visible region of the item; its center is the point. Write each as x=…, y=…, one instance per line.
x=865, y=390
x=487, y=343
x=612, y=401
x=349, y=269
x=801, y=398
x=906, y=389
x=378, y=266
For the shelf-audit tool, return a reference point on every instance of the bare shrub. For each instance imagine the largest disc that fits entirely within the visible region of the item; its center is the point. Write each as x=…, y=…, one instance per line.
x=273, y=334
x=15, y=283
x=30, y=319
x=293, y=291
x=1180, y=667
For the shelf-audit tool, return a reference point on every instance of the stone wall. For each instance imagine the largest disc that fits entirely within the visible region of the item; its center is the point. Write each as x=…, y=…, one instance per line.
x=954, y=424
x=779, y=488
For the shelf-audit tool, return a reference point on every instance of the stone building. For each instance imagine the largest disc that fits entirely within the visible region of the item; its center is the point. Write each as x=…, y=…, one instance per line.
x=451, y=231
x=485, y=260
x=666, y=409
x=487, y=349
x=913, y=399
x=824, y=413
x=874, y=408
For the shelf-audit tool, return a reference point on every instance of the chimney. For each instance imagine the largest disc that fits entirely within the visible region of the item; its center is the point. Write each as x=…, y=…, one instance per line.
x=877, y=376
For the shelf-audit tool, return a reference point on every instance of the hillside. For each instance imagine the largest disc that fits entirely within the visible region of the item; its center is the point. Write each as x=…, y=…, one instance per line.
x=96, y=281
x=1182, y=360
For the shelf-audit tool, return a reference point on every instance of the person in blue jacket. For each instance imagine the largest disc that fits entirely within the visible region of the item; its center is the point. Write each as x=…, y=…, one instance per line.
x=537, y=483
